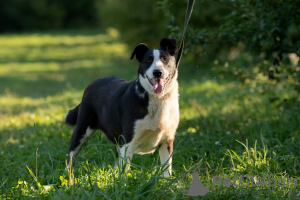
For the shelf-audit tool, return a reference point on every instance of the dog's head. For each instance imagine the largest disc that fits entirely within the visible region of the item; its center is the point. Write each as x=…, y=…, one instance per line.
x=157, y=69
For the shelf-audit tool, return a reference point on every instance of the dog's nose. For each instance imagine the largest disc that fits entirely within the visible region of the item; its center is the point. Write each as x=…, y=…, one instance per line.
x=157, y=73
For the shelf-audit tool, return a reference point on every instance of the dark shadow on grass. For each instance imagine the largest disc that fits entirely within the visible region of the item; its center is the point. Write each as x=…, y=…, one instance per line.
x=46, y=83
x=63, y=32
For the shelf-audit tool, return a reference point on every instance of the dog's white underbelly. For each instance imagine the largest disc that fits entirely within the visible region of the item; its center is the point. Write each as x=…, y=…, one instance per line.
x=148, y=143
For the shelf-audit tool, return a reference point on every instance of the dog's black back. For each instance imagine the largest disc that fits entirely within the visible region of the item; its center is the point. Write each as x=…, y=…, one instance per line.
x=117, y=114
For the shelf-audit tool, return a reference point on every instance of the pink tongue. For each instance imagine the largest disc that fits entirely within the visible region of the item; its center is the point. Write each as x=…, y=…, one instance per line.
x=157, y=87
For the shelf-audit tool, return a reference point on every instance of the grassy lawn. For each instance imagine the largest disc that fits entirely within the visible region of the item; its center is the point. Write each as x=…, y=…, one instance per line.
x=229, y=128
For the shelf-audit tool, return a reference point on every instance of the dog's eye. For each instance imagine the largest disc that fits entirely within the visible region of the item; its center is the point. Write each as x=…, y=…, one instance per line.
x=149, y=60
x=164, y=59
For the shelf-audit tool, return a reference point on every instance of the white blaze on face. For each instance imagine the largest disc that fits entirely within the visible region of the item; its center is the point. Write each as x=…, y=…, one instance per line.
x=157, y=84
x=156, y=64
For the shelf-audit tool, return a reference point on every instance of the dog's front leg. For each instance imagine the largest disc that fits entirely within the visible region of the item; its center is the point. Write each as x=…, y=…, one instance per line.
x=125, y=156
x=165, y=153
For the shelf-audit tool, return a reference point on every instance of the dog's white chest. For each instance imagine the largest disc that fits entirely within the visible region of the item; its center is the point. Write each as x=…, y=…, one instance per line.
x=158, y=125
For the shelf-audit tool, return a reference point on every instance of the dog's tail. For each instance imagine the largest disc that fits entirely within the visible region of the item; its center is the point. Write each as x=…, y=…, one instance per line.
x=71, y=116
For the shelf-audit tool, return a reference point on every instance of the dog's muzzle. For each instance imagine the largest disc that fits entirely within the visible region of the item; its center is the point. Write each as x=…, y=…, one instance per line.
x=159, y=84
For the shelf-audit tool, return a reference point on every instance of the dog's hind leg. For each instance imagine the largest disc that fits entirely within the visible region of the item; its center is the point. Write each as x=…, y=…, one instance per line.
x=81, y=133
x=78, y=140
x=165, y=153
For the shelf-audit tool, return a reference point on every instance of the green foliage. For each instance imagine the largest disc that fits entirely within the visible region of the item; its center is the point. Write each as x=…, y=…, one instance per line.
x=137, y=21
x=205, y=19
x=268, y=27
x=264, y=26
x=43, y=75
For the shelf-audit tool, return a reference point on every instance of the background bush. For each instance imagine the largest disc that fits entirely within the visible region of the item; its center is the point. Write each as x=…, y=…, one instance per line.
x=267, y=28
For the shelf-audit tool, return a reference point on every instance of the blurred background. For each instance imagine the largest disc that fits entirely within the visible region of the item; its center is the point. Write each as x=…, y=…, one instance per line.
x=269, y=30
x=236, y=38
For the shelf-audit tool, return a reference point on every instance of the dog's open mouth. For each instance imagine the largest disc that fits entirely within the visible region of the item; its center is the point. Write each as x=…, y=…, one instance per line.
x=159, y=84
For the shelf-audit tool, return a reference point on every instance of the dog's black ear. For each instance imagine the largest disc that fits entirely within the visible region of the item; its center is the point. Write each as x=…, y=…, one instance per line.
x=139, y=52
x=169, y=45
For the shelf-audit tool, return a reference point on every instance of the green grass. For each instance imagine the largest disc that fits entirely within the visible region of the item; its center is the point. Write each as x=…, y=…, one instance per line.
x=229, y=128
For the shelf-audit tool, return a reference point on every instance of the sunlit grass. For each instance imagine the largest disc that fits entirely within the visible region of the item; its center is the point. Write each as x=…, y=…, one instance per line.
x=59, y=38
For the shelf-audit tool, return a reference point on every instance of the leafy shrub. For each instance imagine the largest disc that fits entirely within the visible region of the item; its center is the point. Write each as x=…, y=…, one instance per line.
x=137, y=21
x=271, y=27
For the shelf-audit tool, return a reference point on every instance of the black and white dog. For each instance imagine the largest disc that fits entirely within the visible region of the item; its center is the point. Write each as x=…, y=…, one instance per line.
x=139, y=115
